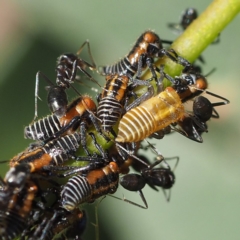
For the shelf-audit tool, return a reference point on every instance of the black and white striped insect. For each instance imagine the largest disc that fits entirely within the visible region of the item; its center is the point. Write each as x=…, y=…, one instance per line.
x=79, y=114
x=54, y=153
x=90, y=186
x=147, y=47
x=115, y=96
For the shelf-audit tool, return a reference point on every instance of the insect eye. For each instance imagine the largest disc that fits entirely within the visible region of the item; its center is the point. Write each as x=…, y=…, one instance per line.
x=190, y=78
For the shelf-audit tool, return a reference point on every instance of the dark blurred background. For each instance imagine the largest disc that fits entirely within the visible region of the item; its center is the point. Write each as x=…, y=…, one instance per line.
x=205, y=199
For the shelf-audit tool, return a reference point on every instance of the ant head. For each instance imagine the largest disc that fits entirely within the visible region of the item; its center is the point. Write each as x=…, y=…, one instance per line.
x=195, y=83
x=194, y=77
x=66, y=58
x=188, y=16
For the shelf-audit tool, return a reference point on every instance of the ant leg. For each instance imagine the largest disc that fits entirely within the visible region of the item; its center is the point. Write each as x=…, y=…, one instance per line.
x=167, y=196
x=201, y=59
x=94, y=163
x=99, y=148
x=210, y=72
x=93, y=66
x=225, y=101
x=166, y=41
x=83, y=134
x=122, y=151
x=171, y=53
x=215, y=114
x=140, y=65
x=161, y=133
x=97, y=127
x=165, y=75
x=36, y=95
x=149, y=62
x=160, y=157
x=216, y=40
x=74, y=70
x=37, y=89
x=78, y=64
x=88, y=75
x=177, y=161
x=142, y=98
x=133, y=203
x=188, y=129
x=168, y=167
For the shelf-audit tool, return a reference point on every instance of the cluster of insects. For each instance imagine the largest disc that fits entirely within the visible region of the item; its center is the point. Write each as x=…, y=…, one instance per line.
x=42, y=193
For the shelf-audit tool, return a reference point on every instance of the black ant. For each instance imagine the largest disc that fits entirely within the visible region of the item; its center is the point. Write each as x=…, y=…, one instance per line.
x=67, y=66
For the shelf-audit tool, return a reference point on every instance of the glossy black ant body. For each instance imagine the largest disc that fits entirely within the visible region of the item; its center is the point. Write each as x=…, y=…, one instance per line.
x=193, y=125
x=189, y=86
x=67, y=66
x=188, y=16
x=155, y=177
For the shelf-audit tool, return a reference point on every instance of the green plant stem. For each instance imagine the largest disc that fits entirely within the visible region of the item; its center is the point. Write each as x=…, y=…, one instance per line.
x=202, y=32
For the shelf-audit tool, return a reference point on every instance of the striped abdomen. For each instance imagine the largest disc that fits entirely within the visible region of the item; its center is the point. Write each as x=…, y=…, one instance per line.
x=147, y=44
x=42, y=129
x=110, y=106
x=14, y=210
x=109, y=112
x=53, y=153
x=46, y=127
x=97, y=183
x=123, y=66
x=150, y=116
